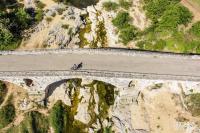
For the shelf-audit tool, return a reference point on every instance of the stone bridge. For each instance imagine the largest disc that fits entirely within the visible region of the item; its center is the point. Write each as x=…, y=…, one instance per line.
x=114, y=66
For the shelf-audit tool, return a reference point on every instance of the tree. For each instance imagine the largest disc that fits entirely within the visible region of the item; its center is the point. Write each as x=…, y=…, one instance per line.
x=23, y=18
x=6, y=36
x=57, y=117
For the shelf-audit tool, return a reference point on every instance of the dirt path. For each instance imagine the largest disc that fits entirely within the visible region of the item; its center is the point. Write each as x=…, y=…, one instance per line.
x=193, y=7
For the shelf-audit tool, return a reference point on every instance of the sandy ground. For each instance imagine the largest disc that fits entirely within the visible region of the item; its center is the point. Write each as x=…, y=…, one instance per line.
x=158, y=111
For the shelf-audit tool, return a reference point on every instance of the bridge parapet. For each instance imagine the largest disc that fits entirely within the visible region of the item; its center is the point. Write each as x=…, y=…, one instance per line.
x=97, y=73
x=102, y=51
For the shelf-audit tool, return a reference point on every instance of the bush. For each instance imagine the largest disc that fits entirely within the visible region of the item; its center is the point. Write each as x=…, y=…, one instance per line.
x=49, y=19
x=121, y=20
x=23, y=18
x=156, y=8
x=110, y=6
x=62, y=119
x=40, y=5
x=6, y=37
x=7, y=115
x=193, y=103
x=57, y=117
x=125, y=4
x=65, y=26
x=195, y=30
x=3, y=91
x=127, y=34
x=39, y=15
x=174, y=16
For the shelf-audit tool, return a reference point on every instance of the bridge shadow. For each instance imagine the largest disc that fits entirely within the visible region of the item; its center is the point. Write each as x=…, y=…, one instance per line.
x=51, y=88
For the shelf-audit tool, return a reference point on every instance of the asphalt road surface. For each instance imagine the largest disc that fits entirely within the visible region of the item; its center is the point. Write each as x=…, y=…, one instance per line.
x=101, y=62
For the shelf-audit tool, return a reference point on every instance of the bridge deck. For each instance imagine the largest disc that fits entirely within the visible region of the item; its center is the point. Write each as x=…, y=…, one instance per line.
x=144, y=65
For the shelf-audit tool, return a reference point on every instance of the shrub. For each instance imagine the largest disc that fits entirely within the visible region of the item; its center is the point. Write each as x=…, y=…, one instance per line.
x=48, y=19
x=6, y=36
x=62, y=119
x=196, y=29
x=60, y=11
x=39, y=15
x=156, y=8
x=23, y=18
x=193, y=103
x=121, y=20
x=57, y=117
x=174, y=16
x=127, y=34
x=65, y=26
x=7, y=115
x=40, y=5
x=3, y=91
x=125, y=4
x=110, y=6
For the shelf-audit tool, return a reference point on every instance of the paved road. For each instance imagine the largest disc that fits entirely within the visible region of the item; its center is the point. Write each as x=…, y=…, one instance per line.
x=102, y=62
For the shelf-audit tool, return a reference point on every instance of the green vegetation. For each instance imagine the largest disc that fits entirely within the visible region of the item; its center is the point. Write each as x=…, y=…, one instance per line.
x=156, y=8
x=49, y=19
x=173, y=17
x=62, y=119
x=167, y=31
x=65, y=26
x=110, y=6
x=193, y=103
x=121, y=20
x=39, y=4
x=3, y=91
x=34, y=122
x=14, y=21
x=127, y=31
x=106, y=98
x=126, y=4
x=101, y=36
x=39, y=15
x=195, y=30
x=127, y=34
x=82, y=31
x=7, y=115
